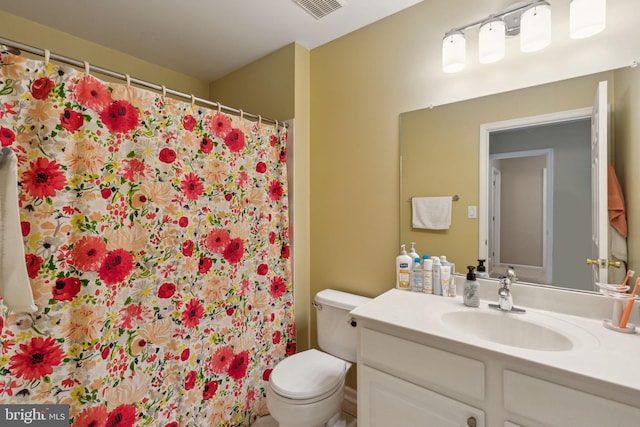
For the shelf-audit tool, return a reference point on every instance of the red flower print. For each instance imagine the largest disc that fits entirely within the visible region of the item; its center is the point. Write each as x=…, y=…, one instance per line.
x=291, y=348
x=120, y=117
x=192, y=186
x=173, y=424
x=185, y=354
x=166, y=290
x=285, y=252
x=220, y=125
x=105, y=352
x=71, y=120
x=116, y=266
x=6, y=136
x=234, y=251
x=275, y=338
x=193, y=313
x=266, y=374
x=66, y=288
x=275, y=190
x=217, y=240
x=167, y=155
x=93, y=416
x=190, y=380
x=33, y=265
x=234, y=140
x=36, y=359
x=41, y=88
x=25, y=227
x=221, y=359
x=88, y=253
x=188, y=122
x=187, y=247
x=133, y=170
x=183, y=221
x=278, y=287
x=132, y=315
x=283, y=156
x=206, y=145
x=122, y=416
x=43, y=178
x=272, y=237
x=273, y=140
x=106, y=193
x=204, y=265
x=238, y=366
x=263, y=269
x=92, y=93
x=209, y=390
x=261, y=167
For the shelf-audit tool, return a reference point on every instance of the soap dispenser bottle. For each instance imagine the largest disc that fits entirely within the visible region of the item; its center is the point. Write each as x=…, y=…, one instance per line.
x=471, y=294
x=481, y=271
x=403, y=269
x=412, y=253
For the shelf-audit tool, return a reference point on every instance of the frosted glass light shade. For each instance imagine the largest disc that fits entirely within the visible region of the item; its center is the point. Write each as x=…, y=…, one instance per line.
x=535, y=27
x=454, y=47
x=587, y=17
x=491, y=44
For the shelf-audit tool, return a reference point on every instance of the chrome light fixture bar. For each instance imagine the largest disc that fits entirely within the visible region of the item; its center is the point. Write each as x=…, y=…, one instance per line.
x=531, y=20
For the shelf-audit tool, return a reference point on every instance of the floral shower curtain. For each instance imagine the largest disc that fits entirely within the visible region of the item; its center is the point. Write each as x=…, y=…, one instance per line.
x=157, y=243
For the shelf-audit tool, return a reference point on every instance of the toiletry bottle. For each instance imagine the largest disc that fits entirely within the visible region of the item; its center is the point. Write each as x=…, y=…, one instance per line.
x=481, y=271
x=471, y=294
x=403, y=270
x=427, y=269
x=445, y=276
x=452, y=279
x=412, y=253
x=417, y=278
x=437, y=284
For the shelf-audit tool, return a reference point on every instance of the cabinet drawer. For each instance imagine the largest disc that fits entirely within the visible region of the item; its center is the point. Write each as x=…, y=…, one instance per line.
x=436, y=369
x=557, y=405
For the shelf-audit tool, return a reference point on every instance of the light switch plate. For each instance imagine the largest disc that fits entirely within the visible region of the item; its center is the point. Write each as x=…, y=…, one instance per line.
x=471, y=212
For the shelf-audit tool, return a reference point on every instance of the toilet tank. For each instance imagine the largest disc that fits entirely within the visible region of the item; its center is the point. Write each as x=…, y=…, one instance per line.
x=336, y=335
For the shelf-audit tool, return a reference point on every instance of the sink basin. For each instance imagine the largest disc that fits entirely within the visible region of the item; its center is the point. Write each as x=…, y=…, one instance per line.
x=507, y=329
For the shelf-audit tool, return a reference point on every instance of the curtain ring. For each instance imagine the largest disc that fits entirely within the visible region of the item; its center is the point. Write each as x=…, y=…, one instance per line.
x=193, y=100
x=241, y=114
x=127, y=77
x=47, y=56
x=87, y=68
x=219, y=107
x=276, y=126
x=259, y=120
x=164, y=91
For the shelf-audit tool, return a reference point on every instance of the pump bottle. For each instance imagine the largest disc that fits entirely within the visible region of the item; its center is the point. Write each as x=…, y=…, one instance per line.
x=471, y=294
x=403, y=270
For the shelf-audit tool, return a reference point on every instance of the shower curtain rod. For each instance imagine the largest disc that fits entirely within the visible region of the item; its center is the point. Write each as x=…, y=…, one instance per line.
x=82, y=64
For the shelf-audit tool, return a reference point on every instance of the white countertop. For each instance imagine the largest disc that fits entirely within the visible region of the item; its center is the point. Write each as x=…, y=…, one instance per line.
x=597, y=352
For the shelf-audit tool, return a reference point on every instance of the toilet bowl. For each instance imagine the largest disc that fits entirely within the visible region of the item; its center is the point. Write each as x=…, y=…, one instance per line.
x=307, y=389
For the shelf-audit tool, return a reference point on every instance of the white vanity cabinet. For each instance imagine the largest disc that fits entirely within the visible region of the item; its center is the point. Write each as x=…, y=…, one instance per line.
x=413, y=371
x=403, y=383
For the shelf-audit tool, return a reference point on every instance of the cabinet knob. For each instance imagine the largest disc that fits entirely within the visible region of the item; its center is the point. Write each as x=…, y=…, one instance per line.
x=471, y=422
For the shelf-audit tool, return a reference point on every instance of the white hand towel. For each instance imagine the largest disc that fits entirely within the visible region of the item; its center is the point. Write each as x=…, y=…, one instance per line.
x=15, y=288
x=433, y=213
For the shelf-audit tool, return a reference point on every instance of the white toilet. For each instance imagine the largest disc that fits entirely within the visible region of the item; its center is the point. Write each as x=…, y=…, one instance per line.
x=307, y=389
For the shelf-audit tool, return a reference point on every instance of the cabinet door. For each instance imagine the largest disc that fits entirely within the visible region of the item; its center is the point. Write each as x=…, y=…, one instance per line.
x=384, y=400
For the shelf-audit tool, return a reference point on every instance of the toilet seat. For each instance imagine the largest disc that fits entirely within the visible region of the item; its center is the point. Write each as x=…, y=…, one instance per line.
x=308, y=377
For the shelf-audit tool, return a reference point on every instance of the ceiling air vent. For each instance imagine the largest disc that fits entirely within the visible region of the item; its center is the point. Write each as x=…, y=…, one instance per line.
x=320, y=8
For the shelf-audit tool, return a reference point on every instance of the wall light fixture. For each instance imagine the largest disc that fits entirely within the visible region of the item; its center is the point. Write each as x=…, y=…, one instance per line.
x=531, y=20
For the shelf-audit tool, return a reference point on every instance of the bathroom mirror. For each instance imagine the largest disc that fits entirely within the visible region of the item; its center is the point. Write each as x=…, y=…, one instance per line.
x=439, y=156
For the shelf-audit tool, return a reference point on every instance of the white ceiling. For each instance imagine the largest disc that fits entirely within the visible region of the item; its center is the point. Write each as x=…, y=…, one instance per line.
x=206, y=39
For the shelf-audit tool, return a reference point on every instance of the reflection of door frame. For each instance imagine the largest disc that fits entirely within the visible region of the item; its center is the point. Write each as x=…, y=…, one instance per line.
x=485, y=131
x=528, y=273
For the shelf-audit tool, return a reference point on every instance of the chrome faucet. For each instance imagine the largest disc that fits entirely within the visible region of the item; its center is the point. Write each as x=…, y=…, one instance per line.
x=505, y=300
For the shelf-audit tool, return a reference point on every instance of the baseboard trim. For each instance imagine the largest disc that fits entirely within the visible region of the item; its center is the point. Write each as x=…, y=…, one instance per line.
x=350, y=403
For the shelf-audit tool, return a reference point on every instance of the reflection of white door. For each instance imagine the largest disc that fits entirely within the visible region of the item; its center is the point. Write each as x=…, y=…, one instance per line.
x=494, y=215
x=600, y=231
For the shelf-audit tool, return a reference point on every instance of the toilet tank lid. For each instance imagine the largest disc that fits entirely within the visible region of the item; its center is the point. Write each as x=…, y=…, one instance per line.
x=340, y=299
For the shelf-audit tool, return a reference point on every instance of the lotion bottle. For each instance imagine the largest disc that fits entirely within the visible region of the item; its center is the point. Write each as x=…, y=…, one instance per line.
x=403, y=270
x=471, y=294
x=427, y=270
x=437, y=284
